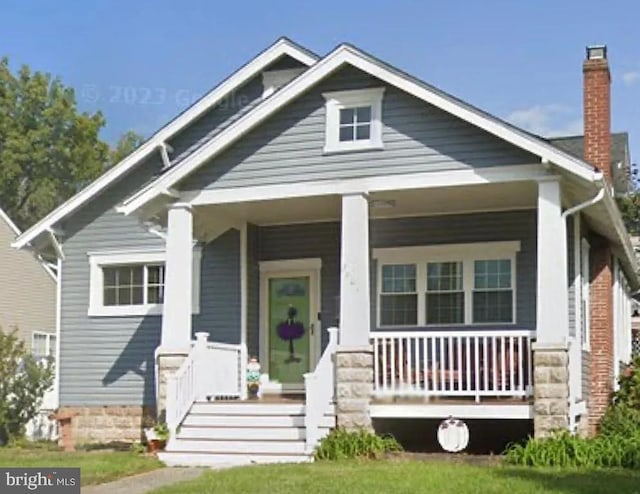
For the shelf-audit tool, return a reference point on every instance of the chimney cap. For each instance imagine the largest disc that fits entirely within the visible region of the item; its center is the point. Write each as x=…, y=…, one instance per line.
x=597, y=52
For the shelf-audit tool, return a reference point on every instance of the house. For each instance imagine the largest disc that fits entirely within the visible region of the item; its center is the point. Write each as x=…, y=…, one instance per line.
x=28, y=305
x=382, y=248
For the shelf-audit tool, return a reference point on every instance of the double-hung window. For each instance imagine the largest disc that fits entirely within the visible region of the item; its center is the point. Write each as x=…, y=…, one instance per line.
x=460, y=284
x=43, y=345
x=399, y=298
x=132, y=283
x=353, y=120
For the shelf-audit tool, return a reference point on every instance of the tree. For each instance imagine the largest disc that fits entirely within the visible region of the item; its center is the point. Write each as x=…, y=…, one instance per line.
x=23, y=382
x=127, y=144
x=48, y=149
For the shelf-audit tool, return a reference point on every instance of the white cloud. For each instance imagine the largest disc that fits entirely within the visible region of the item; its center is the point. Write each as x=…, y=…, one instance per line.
x=547, y=120
x=630, y=78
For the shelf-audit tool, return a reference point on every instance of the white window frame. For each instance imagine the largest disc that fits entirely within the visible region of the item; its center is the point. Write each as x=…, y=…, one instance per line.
x=465, y=253
x=339, y=100
x=100, y=260
x=50, y=351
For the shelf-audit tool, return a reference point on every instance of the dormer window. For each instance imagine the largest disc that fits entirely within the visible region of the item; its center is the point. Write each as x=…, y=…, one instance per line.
x=353, y=120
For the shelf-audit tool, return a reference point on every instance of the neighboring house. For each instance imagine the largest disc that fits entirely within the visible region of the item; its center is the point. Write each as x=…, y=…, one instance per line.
x=471, y=269
x=28, y=305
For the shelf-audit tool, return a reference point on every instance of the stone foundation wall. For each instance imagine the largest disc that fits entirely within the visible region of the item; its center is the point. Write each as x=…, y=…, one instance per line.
x=168, y=363
x=109, y=423
x=354, y=386
x=551, y=390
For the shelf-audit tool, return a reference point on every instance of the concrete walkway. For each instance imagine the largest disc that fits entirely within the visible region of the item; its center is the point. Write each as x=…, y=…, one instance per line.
x=145, y=482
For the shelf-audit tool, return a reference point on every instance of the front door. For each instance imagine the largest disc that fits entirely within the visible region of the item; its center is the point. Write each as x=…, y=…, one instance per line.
x=290, y=305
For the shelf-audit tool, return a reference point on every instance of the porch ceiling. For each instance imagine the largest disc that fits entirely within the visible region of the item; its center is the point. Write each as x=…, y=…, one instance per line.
x=449, y=200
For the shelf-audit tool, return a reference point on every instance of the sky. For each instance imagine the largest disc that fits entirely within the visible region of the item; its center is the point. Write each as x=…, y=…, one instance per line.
x=141, y=62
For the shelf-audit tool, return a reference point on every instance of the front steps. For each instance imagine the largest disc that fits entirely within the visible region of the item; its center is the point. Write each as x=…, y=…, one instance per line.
x=242, y=433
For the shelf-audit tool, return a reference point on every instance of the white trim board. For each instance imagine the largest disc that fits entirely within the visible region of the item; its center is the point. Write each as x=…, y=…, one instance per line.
x=99, y=259
x=345, y=54
x=409, y=181
x=281, y=47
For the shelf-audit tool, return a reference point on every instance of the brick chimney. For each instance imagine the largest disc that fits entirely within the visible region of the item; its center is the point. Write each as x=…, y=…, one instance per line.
x=597, y=151
x=597, y=109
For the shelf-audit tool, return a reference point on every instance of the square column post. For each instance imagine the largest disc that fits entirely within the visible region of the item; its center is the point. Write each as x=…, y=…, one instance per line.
x=355, y=301
x=178, y=285
x=177, y=307
x=551, y=355
x=354, y=356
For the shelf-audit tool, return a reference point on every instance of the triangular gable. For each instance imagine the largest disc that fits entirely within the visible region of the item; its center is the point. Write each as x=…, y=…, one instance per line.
x=280, y=48
x=346, y=54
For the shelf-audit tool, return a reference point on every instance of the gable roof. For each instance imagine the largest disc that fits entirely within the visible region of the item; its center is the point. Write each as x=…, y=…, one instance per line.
x=281, y=47
x=620, y=160
x=16, y=231
x=347, y=54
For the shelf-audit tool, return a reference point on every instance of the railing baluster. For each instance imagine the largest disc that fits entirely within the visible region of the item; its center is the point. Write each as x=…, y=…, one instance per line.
x=434, y=365
x=443, y=383
x=476, y=367
x=376, y=365
x=385, y=364
x=502, y=364
x=425, y=362
x=416, y=366
x=458, y=369
x=408, y=360
x=468, y=355
x=512, y=367
x=529, y=365
x=494, y=361
x=393, y=365
x=521, y=356
x=451, y=363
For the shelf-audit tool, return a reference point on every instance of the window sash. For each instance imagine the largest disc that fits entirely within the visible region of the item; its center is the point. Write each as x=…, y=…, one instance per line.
x=43, y=345
x=132, y=292
x=421, y=257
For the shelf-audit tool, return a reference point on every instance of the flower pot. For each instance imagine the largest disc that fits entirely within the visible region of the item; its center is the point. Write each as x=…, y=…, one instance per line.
x=155, y=445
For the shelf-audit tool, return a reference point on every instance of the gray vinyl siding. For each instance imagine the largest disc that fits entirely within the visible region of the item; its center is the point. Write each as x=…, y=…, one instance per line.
x=105, y=360
x=417, y=137
x=220, y=289
x=471, y=228
x=253, y=290
x=230, y=109
x=314, y=240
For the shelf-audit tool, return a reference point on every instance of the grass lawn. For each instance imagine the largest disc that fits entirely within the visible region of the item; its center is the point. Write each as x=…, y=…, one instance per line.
x=410, y=477
x=96, y=467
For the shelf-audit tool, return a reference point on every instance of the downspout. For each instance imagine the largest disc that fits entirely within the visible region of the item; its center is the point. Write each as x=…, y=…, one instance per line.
x=597, y=198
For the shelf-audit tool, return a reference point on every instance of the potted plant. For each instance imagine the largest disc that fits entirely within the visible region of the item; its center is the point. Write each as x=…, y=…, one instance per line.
x=253, y=378
x=157, y=437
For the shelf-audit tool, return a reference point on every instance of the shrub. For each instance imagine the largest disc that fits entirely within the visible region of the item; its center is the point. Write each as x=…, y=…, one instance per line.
x=565, y=450
x=341, y=444
x=23, y=382
x=620, y=420
x=628, y=395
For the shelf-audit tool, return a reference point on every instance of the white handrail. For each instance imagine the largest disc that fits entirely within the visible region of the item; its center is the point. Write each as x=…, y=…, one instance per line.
x=454, y=363
x=212, y=370
x=320, y=390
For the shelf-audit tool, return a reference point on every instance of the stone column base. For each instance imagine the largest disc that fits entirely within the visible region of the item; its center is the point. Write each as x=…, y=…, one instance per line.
x=354, y=386
x=551, y=389
x=168, y=362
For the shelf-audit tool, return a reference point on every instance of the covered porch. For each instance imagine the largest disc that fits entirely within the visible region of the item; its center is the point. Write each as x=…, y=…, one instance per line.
x=469, y=363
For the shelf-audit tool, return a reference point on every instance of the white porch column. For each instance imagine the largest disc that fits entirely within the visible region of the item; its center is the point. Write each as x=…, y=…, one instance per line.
x=552, y=309
x=176, y=315
x=552, y=405
x=354, y=272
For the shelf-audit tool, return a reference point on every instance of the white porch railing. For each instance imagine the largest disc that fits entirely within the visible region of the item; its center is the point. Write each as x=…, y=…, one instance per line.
x=320, y=390
x=456, y=363
x=212, y=371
